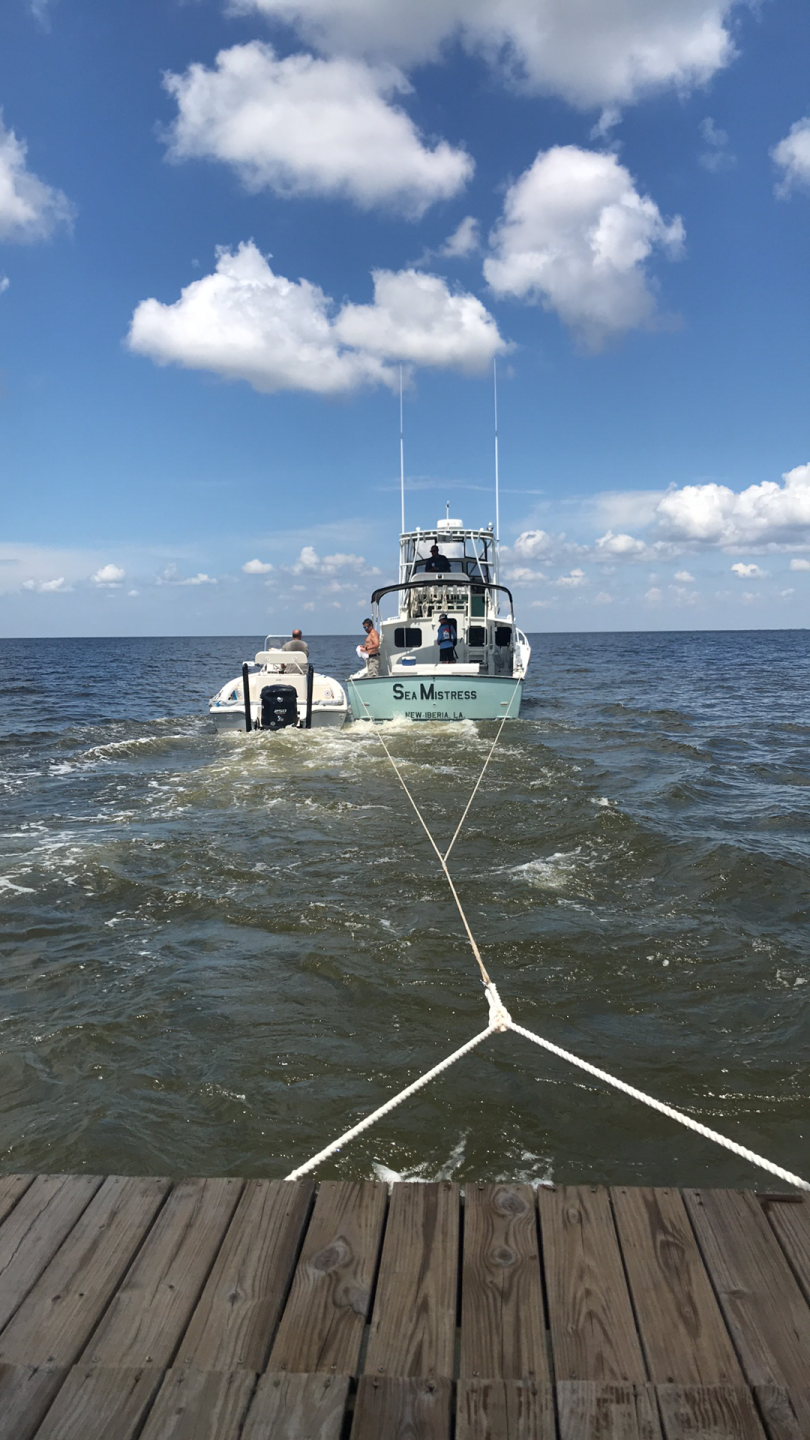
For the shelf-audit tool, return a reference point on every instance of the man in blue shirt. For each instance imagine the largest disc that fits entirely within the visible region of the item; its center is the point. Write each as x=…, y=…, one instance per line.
x=446, y=639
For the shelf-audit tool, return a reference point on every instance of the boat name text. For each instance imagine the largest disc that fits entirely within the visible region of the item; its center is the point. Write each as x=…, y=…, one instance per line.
x=429, y=692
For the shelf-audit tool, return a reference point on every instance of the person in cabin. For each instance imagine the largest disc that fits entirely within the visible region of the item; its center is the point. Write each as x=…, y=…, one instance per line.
x=297, y=643
x=446, y=640
x=371, y=649
x=437, y=561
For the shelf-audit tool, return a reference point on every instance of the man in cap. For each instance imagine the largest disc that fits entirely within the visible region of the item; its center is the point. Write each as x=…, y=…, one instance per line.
x=446, y=639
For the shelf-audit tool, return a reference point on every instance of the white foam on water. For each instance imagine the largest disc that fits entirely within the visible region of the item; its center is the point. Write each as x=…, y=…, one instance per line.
x=6, y=883
x=553, y=873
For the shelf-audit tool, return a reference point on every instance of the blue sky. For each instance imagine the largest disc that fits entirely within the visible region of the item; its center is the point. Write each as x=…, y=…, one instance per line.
x=224, y=227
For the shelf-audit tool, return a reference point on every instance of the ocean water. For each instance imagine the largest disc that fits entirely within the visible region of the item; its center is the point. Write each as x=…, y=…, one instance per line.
x=217, y=952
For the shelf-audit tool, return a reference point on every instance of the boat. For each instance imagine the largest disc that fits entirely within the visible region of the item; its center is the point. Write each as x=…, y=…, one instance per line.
x=280, y=689
x=485, y=680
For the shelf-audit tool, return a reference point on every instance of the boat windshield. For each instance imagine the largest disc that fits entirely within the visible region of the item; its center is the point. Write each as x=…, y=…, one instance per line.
x=459, y=567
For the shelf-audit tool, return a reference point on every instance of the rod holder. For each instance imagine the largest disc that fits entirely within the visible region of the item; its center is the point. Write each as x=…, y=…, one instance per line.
x=246, y=696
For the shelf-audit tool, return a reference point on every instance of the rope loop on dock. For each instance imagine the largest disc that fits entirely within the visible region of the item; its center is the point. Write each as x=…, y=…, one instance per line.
x=500, y=1021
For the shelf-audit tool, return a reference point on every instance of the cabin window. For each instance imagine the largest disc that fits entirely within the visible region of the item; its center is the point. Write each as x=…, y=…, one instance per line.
x=407, y=639
x=503, y=634
x=477, y=635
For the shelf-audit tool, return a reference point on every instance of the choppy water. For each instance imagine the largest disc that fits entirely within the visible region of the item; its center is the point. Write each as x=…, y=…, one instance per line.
x=217, y=952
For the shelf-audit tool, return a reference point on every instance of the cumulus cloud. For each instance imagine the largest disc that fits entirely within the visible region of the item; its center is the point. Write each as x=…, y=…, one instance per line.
x=309, y=562
x=572, y=580
x=29, y=209
x=800, y=564
x=48, y=587
x=792, y=156
x=685, y=578
x=763, y=515
x=169, y=576
x=522, y=575
x=717, y=155
x=574, y=236
x=621, y=546
x=748, y=572
x=590, y=52
x=244, y=322
x=305, y=126
x=416, y=319
x=256, y=567
x=464, y=240
x=531, y=544
x=653, y=595
x=109, y=575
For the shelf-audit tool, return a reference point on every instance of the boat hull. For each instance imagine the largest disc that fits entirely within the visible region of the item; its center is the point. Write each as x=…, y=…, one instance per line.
x=232, y=721
x=435, y=697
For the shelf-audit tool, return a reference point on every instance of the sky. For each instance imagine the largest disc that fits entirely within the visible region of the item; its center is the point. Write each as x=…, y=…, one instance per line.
x=227, y=227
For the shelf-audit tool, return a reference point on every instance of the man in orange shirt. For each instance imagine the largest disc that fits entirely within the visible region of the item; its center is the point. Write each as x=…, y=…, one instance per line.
x=371, y=649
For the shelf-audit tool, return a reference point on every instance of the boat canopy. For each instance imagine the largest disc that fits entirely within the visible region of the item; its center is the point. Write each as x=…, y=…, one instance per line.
x=440, y=578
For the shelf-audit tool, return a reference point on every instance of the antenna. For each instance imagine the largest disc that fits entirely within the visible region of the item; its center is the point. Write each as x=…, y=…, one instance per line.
x=401, y=454
x=497, y=474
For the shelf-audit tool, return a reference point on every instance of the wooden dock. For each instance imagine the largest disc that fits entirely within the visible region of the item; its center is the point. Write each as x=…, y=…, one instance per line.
x=263, y=1310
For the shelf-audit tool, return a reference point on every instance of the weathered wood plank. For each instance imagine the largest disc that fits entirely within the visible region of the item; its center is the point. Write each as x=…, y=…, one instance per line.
x=684, y=1337
x=786, y=1413
x=26, y=1392
x=413, y=1324
x=12, y=1187
x=235, y=1319
x=762, y=1304
x=200, y=1405
x=504, y=1410
x=100, y=1404
x=55, y=1321
x=322, y=1325
x=297, y=1407
x=593, y=1333
x=150, y=1310
x=590, y=1411
x=503, y=1325
x=35, y=1229
x=791, y=1226
x=716, y=1412
x=402, y=1409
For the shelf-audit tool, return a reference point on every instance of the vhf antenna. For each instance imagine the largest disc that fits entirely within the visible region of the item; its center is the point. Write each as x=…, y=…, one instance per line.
x=497, y=475
x=401, y=454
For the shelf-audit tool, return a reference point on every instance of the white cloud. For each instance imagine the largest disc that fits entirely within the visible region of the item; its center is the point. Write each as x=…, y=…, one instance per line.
x=766, y=514
x=199, y=579
x=588, y=51
x=686, y=578
x=800, y=564
x=243, y=322
x=532, y=544
x=784, y=593
x=573, y=580
x=109, y=575
x=717, y=155
x=464, y=240
x=621, y=546
x=415, y=318
x=169, y=576
x=749, y=572
x=4, y=284
x=256, y=567
x=29, y=209
x=48, y=587
x=792, y=155
x=521, y=575
x=603, y=598
x=304, y=126
x=653, y=596
x=574, y=236
x=309, y=562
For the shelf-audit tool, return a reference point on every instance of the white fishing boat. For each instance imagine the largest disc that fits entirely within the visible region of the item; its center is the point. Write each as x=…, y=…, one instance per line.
x=280, y=689
x=482, y=679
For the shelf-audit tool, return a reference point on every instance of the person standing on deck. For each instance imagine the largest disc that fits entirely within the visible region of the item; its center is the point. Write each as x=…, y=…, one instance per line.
x=297, y=643
x=446, y=640
x=371, y=650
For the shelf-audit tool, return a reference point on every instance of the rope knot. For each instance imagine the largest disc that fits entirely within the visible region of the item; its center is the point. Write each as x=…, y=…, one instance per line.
x=499, y=1017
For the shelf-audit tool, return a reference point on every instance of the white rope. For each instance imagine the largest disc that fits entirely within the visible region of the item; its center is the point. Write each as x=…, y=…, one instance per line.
x=441, y=858
x=504, y=718
x=389, y=1105
x=654, y=1104
x=500, y=1020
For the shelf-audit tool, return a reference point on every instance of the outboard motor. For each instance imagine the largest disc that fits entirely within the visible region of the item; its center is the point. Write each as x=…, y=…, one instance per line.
x=279, y=707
